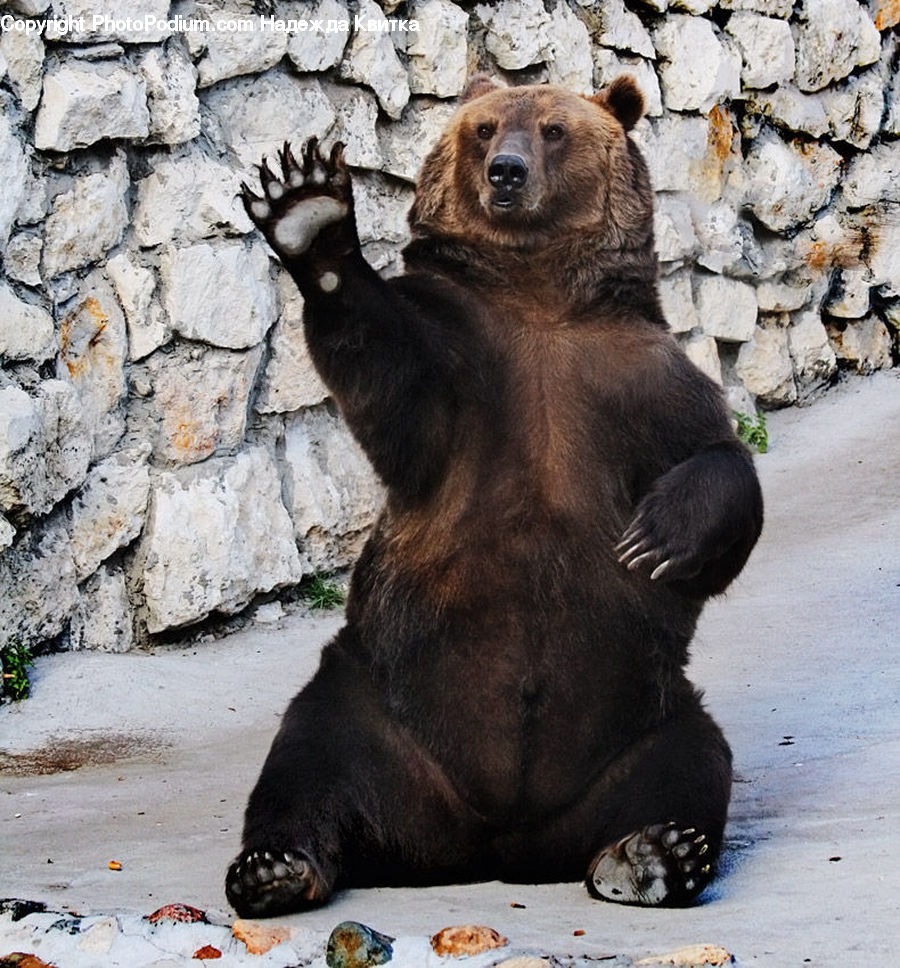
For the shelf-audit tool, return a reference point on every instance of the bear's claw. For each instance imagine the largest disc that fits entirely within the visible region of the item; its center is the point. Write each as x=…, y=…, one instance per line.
x=263, y=883
x=641, y=544
x=659, y=865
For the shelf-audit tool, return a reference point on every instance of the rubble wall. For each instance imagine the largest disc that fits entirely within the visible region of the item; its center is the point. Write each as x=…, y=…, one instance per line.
x=167, y=452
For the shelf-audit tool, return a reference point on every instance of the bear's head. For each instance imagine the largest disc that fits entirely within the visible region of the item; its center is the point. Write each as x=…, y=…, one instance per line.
x=522, y=166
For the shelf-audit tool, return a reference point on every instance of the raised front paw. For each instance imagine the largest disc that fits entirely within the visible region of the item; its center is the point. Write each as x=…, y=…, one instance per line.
x=309, y=196
x=663, y=864
x=265, y=883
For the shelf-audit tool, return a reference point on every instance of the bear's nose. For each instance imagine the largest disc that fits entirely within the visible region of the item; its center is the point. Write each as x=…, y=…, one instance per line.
x=507, y=171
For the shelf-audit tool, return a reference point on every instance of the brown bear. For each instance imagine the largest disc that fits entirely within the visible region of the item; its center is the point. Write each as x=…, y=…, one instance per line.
x=507, y=698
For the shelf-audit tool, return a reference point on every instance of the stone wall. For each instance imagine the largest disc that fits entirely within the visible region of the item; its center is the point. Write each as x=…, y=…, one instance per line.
x=166, y=451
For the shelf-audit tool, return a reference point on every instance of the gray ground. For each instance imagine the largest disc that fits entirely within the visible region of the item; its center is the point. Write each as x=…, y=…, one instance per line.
x=798, y=662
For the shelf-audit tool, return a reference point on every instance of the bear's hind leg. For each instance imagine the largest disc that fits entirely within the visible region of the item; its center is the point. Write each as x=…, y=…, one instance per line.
x=347, y=797
x=670, y=805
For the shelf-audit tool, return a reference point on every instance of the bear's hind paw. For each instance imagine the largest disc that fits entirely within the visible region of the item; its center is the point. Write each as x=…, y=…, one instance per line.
x=262, y=883
x=663, y=864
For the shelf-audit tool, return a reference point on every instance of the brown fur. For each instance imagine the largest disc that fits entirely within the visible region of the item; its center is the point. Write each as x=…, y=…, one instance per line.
x=508, y=696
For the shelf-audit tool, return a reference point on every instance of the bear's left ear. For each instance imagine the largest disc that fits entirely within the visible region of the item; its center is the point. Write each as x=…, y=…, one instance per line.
x=478, y=84
x=623, y=99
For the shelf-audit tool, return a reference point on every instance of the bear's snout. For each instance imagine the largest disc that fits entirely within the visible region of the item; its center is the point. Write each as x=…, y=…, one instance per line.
x=507, y=172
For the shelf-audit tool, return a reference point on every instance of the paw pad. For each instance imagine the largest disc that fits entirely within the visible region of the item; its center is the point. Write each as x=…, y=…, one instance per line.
x=262, y=883
x=661, y=864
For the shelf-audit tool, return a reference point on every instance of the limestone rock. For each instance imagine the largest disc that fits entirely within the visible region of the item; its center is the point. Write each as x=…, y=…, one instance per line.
x=676, y=296
x=848, y=111
x=865, y=344
x=517, y=32
x=233, y=53
x=696, y=7
x=357, y=114
x=719, y=236
x=106, y=623
x=764, y=364
x=813, y=357
x=833, y=38
x=137, y=291
x=188, y=199
x=854, y=109
x=92, y=357
x=622, y=29
x=766, y=46
x=108, y=511
x=381, y=208
x=29, y=7
x=219, y=294
x=405, y=143
x=247, y=116
x=45, y=446
x=608, y=65
x=84, y=103
x=782, y=297
x=849, y=295
x=704, y=354
x=7, y=533
x=24, y=56
x=13, y=175
x=698, y=68
x=22, y=260
x=198, y=401
x=372, y=60
x=727, y=308
x=26, y=330
x=691, y=956
x=770, y=8
x=87, y=220
x=881, y=227
x=673, y=228
x=319, y=50
x=38, y=593
x=331, y=492
x=438, y=53
x=788, y=183
x=170, y=80
x=216, y=536
x=290, y=381
x=892, y=99
x=690, y=154
x=144, y=16
x=873, y=177
x=569, y=62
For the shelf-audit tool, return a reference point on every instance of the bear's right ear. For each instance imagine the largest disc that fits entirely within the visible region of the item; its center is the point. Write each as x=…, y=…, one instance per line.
x=478, y=84
x=624, y=99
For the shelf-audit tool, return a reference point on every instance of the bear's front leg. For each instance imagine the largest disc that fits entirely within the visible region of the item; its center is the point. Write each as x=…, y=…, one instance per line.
x=306, y=215
x=698, y=523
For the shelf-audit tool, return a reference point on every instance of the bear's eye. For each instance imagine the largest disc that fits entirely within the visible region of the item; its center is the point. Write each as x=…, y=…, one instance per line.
x=485, y=131
x=554, y=132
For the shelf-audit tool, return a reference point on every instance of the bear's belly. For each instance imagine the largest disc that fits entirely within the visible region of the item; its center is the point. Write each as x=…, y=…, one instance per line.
x=524, y=702
x=515, y=647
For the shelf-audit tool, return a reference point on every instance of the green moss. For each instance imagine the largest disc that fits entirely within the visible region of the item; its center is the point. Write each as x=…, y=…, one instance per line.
x=15, y=658
x=753, y=432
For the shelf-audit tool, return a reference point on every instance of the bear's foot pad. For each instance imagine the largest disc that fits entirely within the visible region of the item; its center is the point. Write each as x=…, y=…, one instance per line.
x=263, y=883
x=309, y=195
x=663, y=864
